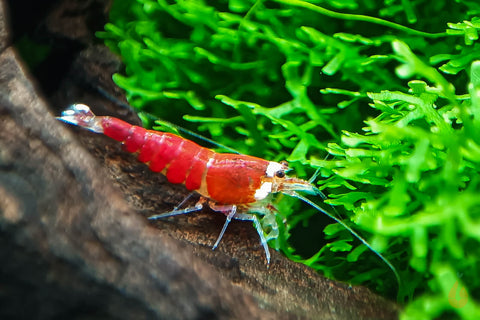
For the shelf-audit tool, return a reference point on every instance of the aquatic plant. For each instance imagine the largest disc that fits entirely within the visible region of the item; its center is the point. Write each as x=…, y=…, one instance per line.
x=383, y=96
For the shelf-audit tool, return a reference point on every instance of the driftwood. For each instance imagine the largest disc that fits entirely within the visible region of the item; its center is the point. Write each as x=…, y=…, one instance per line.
x=74, y=241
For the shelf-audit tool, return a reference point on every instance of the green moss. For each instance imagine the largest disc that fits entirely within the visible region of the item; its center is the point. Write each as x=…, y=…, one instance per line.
x=395, y=106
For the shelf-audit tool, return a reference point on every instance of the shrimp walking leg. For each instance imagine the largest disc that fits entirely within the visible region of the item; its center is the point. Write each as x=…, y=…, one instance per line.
x=232, y=213
x=258, y=227
x=184, y=201
x=232, y=210
x=197, y=207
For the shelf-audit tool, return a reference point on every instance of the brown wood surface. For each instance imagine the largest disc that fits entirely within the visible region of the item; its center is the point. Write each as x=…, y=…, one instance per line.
x=74, y=240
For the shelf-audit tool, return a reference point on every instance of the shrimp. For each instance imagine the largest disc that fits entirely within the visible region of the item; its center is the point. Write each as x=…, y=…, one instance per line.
x=234, y=184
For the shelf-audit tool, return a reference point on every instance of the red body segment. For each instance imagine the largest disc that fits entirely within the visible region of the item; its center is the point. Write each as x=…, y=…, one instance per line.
x=198, y=168
x=135, y=139
x=149, y=148
x=180, y=165
x=157, y=164
x=167, y=151
x=228, y=178
x=115, y=128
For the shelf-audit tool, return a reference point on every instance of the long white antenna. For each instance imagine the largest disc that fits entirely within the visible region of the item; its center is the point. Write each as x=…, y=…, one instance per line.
x=343, y=224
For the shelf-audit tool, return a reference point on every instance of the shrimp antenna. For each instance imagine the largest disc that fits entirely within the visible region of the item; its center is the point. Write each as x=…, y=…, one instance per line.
x=343, y=224
x=314, y=176
x=315, y=189
x=191, y=133
x=168, y=123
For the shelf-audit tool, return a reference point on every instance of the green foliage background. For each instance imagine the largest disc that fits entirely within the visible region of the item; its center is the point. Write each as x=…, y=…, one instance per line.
x=389, y=90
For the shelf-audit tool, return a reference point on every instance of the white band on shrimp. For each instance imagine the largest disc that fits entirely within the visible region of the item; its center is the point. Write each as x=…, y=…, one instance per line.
x=274, y=167
x=264, y=190
x=80, y=114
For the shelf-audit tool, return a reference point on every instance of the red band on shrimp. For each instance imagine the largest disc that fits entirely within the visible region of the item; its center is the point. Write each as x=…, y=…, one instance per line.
x=153, y=141
x=199, y=165
x=115, y=128
x=135, y=140
x=180, y=165
x=168, y=150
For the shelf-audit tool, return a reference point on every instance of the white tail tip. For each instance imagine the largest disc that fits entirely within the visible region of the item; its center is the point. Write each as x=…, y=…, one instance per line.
x=80, y=115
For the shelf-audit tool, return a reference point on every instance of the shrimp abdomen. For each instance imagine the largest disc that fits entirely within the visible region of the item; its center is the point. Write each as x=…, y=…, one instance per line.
x=183, y=160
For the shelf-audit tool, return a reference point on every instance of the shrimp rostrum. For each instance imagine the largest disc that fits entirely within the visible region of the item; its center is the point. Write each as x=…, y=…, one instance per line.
x=233, y=184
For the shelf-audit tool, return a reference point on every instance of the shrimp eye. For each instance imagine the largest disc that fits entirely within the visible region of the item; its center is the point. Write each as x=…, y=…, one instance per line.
x=280, y=174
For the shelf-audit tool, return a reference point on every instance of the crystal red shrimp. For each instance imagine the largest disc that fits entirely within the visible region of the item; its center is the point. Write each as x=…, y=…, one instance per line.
x=233, y=184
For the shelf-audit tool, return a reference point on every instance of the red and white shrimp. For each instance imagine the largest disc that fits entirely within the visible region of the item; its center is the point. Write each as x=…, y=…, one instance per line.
x=234, y=184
